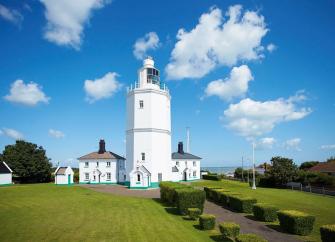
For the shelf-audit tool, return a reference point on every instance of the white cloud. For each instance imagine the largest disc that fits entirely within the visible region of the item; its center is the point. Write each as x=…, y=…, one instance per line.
x=217, y=41
x=66, y=20
x=56, y=133
x=251, y=118
x=11, y=15
x=103, y=87
x=293, y=144
x=11, y=133
x=236, y=85
x=265, y=143
x=271, y=47
x=29, y=94
x=149, y=42
x=328, y=147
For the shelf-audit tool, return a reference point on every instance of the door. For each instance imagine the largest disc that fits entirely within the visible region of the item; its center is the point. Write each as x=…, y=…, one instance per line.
x=185, y=176
x=68, y=179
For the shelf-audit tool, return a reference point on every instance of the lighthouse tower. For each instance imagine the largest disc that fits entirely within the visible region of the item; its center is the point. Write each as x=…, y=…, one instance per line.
x=148, y=130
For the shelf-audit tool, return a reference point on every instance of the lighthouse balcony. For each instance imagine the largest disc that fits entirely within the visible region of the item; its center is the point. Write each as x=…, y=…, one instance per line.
x=154, y=85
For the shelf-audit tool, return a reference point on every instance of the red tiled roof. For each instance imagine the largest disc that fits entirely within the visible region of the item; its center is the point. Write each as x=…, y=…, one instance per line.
x=97, y=155
x=324, y=167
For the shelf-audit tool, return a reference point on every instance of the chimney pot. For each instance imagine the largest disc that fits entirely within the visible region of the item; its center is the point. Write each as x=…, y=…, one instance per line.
x=180, y=148
x=102, y=148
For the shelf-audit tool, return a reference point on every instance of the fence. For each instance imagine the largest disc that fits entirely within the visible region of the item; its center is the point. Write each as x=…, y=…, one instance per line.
x=309, y=188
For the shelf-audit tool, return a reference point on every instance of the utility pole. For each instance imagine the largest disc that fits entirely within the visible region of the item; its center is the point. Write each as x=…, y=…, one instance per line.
x=188, y=139
x=253, y=166
x=242, y=170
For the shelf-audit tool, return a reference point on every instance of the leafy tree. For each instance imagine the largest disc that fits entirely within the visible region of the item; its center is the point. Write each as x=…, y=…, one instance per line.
x=308, y=164
x=283, y=170
x=331, y=159
x=28, y=161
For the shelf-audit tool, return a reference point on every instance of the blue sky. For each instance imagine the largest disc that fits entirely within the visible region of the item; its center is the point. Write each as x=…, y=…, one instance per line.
x=237, y=71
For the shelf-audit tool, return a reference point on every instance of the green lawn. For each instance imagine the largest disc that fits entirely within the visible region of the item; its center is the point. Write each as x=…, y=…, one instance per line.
x=322, y=207
x=46, y=212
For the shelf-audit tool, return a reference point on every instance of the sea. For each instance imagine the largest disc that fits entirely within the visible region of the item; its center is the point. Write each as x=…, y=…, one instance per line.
x=220, y=170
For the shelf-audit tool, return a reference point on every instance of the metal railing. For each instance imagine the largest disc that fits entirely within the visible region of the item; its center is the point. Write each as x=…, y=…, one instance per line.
x=161, y=86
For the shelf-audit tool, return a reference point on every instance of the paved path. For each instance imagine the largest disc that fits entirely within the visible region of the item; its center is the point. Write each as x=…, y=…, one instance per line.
x=222, y=214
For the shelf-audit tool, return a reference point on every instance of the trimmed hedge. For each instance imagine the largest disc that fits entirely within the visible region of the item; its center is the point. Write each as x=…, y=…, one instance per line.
x=210, y=192
x=193, y=213
x=211, y=177
x=168, y=191
x=224, y=197
x=296, y=222
x=241, y=204
x=249, y=238
x=207, y=221
x=327, y=233
x=265, y=212
x=229, y=230
x=189, y=198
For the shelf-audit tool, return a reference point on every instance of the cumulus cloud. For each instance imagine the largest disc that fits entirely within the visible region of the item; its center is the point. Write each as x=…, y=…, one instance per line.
x=328, y=147
x=56, y=133
x=66, y=20
x=12, y=133
x=236, y=85
x=103, y=87
x=29, y=94
x=271, y=47
x=265, y=143
x=252, y=118
x=11, y=15
x=293, y=144
x=217, y=41
x=149, y=42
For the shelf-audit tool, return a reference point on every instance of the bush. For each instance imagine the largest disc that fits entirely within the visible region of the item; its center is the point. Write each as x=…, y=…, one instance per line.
x=189, y=198
x=241, y=204
x=296, y=222
x=224, y=197
x=207, y=221
x=266, y=181
x=229, y=230
x=265, y=212
x=327, y=233
x=213, y=177
x=193, y=213
x=167, y=191
x=210, y=192
x=250, y=238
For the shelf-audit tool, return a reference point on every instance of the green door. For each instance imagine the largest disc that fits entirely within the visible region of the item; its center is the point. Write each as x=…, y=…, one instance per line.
x=68, y=179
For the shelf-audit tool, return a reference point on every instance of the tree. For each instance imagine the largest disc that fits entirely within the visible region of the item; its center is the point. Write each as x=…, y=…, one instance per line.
x=28, y=161
x=283, y=170
x=331, y=159
x=308, y=164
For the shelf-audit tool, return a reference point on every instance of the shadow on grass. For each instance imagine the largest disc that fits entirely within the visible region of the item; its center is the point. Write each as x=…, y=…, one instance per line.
x=188, y=218
x=197, y=226
x=219, y=238
x=172, y=210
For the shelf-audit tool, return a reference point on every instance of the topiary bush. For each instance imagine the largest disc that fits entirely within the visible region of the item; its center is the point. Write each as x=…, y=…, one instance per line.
x=296, y=222
x=265, y=212
x=249, y=238
x=224, y=197
x=193, y=213
x=207, y=221
x=327, y=233
x=241, y=204
x=229, y=230
x=168, y=191
x=189, y=198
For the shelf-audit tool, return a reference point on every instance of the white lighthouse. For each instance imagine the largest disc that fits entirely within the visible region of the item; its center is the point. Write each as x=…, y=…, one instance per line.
x=148, y=130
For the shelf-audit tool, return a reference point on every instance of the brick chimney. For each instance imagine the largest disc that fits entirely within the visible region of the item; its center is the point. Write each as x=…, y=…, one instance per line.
x=102, y=148
x=180, y=148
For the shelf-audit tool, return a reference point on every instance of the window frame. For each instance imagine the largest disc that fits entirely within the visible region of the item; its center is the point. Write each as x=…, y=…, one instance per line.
x=109, y=176
x=108, y=164
x=87, y=176
x=141, y=104
x=86, y=166
x=138, y=177
x=143, y=156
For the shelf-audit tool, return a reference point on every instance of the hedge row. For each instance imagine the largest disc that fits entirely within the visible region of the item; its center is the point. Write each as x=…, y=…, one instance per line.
x=296, y=222
x=211, y=177
x=168, y=191
x=327, y=233
x=265, y=212
x=249, y=238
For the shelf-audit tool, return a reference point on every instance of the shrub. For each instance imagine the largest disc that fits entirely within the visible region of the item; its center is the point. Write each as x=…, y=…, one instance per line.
x=194, y=213
x=224, y=197
x=167, y=191
x=211, y=177
x=296, y=222
x=266, y=181
x=189, y=198
x=229, y=230
x=327, y=233
x=210, y=192
x=207, y=221
x=265, y=212
x=241, y=204
x=250, y=238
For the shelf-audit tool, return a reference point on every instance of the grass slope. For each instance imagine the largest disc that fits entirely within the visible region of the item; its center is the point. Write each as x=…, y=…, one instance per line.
x=47, y=212
x=322, y=207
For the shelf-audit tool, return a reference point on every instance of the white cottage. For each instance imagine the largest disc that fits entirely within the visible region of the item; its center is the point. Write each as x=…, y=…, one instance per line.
x=5, y=174
x=102, y=167
x=185, y=166
x=64, y=175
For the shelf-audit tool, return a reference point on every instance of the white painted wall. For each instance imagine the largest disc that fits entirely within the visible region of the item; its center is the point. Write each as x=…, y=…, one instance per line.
x=63, y=179
x=5, y=179
x=178, y=176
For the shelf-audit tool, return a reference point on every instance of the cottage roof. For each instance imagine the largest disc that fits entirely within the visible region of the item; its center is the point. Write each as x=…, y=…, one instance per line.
x=181, y=155
x=4, y=168
x=61, y=171
x=324, y=167
x=104, y=155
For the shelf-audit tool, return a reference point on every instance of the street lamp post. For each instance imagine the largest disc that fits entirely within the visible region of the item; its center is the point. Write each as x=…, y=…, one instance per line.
x=242, y=170
x=253, y=166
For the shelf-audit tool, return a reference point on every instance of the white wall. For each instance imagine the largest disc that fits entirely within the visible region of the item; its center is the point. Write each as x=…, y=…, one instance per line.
x=63, y=179
x=5, y=179
x=178, y=176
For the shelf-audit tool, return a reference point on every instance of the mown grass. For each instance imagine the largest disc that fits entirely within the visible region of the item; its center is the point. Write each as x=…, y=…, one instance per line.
x=46, y=212
x=322, y=207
